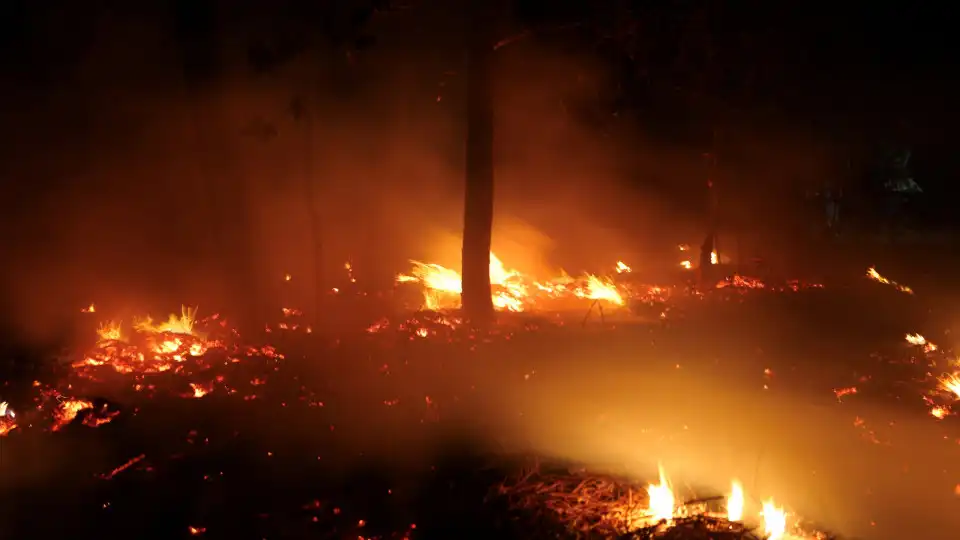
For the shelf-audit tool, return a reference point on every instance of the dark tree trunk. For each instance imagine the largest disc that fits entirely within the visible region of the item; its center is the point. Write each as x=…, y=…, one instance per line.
x=478, y=198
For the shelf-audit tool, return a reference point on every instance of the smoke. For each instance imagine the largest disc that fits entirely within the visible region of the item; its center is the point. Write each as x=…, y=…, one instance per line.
x=137, y=191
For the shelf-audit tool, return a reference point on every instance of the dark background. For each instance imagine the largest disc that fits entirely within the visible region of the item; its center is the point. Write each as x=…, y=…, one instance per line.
x=158, y=152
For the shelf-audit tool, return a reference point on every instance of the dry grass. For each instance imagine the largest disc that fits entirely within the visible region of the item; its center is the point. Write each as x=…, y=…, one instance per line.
x=592, y=506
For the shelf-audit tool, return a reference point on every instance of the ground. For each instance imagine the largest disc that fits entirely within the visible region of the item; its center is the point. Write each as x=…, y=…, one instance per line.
x=393, y=436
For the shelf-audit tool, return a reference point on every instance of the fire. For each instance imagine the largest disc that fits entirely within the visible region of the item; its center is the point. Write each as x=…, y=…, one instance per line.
x=109, y=331
x=198, y=391
x=512, y=290
x=7, y=419
x=68, y=410
x=874, y=275
x=774, y=521
x=89, y=309
x=951, y=383
x=714, y=258
x=735, y=502
x=661, y=505
x=686, y=265
x=600, y=289
x=920, y=341
x=150, y=348
x=174, y=325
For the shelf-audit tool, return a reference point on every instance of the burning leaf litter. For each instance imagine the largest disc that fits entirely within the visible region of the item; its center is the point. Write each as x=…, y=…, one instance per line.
x=200, y=352
x=874, y=275
x=601, y=506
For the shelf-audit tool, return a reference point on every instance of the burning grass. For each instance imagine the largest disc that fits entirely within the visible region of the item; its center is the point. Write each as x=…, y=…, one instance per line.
x=601, y=506
x=188, y=358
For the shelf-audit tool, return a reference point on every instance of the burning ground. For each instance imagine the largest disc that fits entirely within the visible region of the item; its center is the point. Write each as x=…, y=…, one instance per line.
x=668, y=412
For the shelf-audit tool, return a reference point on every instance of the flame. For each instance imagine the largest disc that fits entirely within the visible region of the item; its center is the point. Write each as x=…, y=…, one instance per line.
x=89, y=309
x=661, y=503
x=920, y=341
x=623, y=268
x=774, y=521
x=686, y=265
x=874, y=275
x=940, y=412
x=600, y=289
x=735, y=502
x=174, y=325
x=951, y=383
x=7, y=419
x=714, y=258
x=109, y=331
x=512, y=290
x=152, y=348
x=198, y=391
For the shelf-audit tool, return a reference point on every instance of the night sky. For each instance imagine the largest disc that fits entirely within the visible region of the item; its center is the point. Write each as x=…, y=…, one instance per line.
x=871, y=74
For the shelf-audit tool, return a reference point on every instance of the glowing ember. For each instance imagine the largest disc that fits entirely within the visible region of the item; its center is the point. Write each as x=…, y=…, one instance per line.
x=68, y=410
x=874, y=275
x=661, y=503
x=735, y=502
x=774, y=521
x=150, y=348
x=741, y=282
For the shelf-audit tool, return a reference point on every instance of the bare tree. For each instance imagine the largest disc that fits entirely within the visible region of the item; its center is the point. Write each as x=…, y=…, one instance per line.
x=478, y=193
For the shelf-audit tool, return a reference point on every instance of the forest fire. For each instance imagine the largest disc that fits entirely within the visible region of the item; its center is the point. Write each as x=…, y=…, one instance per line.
x=608, y=507
x=150, y=347
x=874, y=275
x=188, y=358
x=512, y=290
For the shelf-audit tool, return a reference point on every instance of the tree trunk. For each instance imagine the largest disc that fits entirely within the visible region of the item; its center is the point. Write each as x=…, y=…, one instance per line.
x=478, y=195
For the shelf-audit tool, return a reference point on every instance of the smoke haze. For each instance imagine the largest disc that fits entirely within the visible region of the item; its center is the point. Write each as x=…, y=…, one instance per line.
x=130, y=188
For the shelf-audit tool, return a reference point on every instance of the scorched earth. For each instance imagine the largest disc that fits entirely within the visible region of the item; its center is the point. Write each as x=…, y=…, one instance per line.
x=597, y=405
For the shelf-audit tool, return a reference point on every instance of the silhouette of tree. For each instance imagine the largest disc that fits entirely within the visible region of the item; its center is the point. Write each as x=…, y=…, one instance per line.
x=479, y=173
